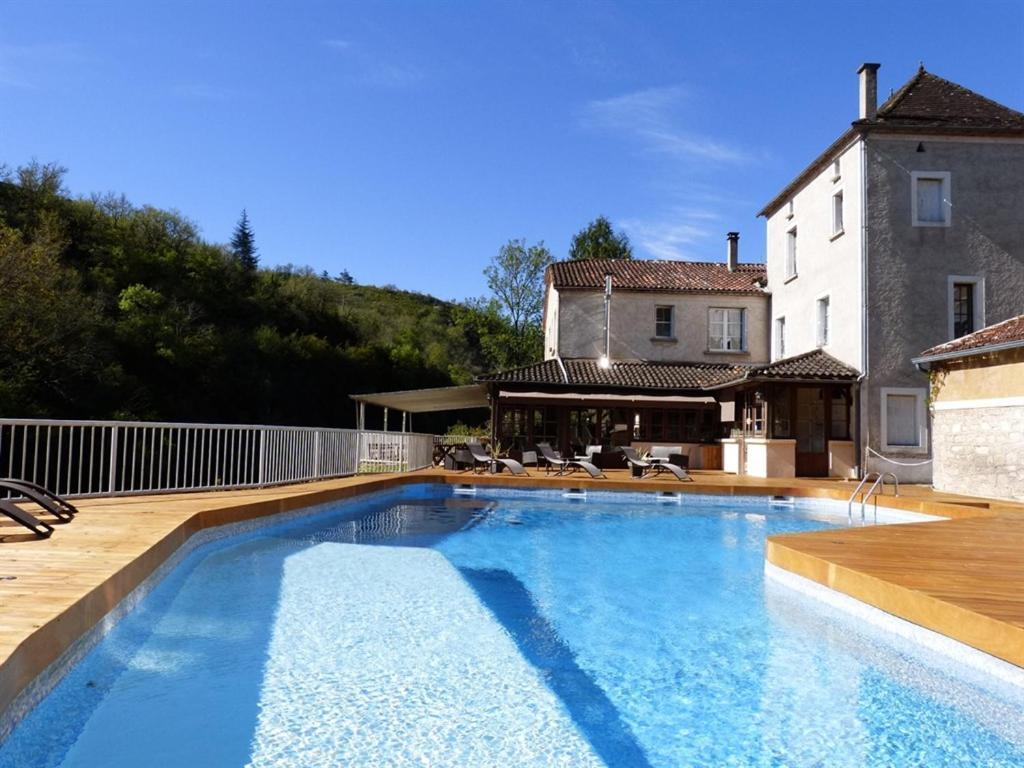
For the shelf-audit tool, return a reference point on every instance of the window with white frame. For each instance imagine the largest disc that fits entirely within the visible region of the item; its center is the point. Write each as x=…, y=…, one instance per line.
x=726, y=331
x=837, y=213
x=903, y=419
x=780, y=338
x=930, y=201
x=823, y=318
x=663, y=322
x=791, y=253
x=789, y=210
x=836, y=168
x=966, y=304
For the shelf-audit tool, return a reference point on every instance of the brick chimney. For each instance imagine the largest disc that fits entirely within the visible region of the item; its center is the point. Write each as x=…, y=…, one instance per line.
x=732, y=250
x=868, y=90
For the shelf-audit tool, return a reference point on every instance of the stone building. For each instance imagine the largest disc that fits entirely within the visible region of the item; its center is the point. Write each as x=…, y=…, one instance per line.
x=977, y=405
x=904, y=233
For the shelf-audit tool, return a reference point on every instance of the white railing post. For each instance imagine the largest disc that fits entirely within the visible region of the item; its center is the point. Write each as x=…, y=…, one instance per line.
x=112, y=475
x=262, y=458
x=316, y=455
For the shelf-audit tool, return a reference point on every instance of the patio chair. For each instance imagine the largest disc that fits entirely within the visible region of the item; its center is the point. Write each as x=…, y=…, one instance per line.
x=566, y=465
x=480, y=456
x=57, y=506
x=645, y=468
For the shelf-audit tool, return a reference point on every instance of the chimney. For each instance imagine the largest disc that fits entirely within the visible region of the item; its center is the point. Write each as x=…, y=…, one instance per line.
x=868, y=90
x=732, y=250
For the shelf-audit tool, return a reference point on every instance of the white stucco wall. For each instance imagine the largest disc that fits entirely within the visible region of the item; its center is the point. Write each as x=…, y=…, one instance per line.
x=826, y=265
x=550, y=322
x=581, y=326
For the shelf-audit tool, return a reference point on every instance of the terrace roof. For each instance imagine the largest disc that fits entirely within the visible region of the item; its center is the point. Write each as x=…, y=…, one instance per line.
x=429, y=400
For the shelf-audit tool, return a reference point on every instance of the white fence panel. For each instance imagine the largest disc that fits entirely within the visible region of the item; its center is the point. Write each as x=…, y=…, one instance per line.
x=114, y=458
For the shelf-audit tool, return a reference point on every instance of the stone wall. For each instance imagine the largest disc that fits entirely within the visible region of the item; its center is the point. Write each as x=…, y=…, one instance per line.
x=979, y=451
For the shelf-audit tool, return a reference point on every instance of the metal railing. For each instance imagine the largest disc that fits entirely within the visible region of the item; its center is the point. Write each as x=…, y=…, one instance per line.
x=115, y=458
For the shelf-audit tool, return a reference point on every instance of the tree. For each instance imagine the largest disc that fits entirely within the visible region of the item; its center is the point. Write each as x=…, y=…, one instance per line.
x=243, y=244
x=516, y=278
x=599, y=241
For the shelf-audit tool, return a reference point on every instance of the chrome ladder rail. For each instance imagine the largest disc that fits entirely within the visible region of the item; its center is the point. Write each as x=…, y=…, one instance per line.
x=879, y=481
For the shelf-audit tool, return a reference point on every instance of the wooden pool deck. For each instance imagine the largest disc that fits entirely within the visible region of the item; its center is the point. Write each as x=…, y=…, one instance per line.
x=963, y=577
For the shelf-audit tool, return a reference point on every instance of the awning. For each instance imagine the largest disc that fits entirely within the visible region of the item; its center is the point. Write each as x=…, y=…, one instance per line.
x=429, y=400
x=606, y=397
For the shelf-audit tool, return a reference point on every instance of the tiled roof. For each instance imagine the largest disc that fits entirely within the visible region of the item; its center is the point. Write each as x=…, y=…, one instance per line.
x=1009, y=332
x=628, y=374
x=926, y=103
x=641, y=375
x=810, y=365
x=650, y=275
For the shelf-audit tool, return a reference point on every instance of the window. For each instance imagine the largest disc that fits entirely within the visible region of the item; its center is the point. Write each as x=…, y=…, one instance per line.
x=663, y=322
x=789, y=210
x=836, y=168
x=930, y=199
x=963, y=309
x=903, y=419
x=823, y=320
x=837, y=213
x=780, y=338
x=966, y=301
x=791, y=253
x=726, y=330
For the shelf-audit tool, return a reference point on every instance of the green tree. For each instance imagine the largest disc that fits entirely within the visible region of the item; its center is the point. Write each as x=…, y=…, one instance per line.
x=243, y=244
x=516, y=278
x=599, y=241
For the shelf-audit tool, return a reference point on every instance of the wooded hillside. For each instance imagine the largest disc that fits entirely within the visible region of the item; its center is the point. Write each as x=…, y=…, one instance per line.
x=108, y=310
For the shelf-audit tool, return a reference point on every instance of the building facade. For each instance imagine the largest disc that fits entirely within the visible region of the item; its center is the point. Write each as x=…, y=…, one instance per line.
x=905, y=233
x=977, y=408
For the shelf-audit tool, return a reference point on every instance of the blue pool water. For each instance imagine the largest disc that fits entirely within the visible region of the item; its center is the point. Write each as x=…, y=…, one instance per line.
x=517, y=629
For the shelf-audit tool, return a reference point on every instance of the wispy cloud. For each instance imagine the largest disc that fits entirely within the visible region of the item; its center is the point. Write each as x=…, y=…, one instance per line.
x=680, y=233
x=655, y=117
x=204, y=92
x=21, y=63
x=374, y=68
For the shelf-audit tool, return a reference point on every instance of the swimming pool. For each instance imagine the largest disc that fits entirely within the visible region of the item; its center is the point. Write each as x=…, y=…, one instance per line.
x=509, y=628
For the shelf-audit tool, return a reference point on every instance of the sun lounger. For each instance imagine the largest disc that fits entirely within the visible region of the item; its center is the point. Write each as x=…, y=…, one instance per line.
x=20, y=516
x=480, y=456
x=652, y=468
x=51, y=502
x=566, y=465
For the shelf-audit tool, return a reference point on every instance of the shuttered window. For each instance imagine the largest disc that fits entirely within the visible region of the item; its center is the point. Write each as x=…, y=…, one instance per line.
x=930, y=198
x=901, y=425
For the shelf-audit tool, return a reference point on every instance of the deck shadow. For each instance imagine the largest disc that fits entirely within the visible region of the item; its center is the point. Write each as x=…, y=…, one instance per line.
x=590, y=708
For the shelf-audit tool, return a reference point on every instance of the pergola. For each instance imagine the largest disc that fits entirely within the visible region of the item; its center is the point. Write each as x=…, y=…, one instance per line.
x=412, y=401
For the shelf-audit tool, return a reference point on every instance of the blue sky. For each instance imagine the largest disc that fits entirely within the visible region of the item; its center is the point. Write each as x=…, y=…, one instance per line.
x=406, y=142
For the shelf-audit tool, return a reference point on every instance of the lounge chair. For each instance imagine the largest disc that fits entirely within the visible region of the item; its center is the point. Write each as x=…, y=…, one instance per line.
x=20, y=516
x=480, y=456
x=672, y=454
x=58, y=507
x=646, y=468
x=566, y=465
